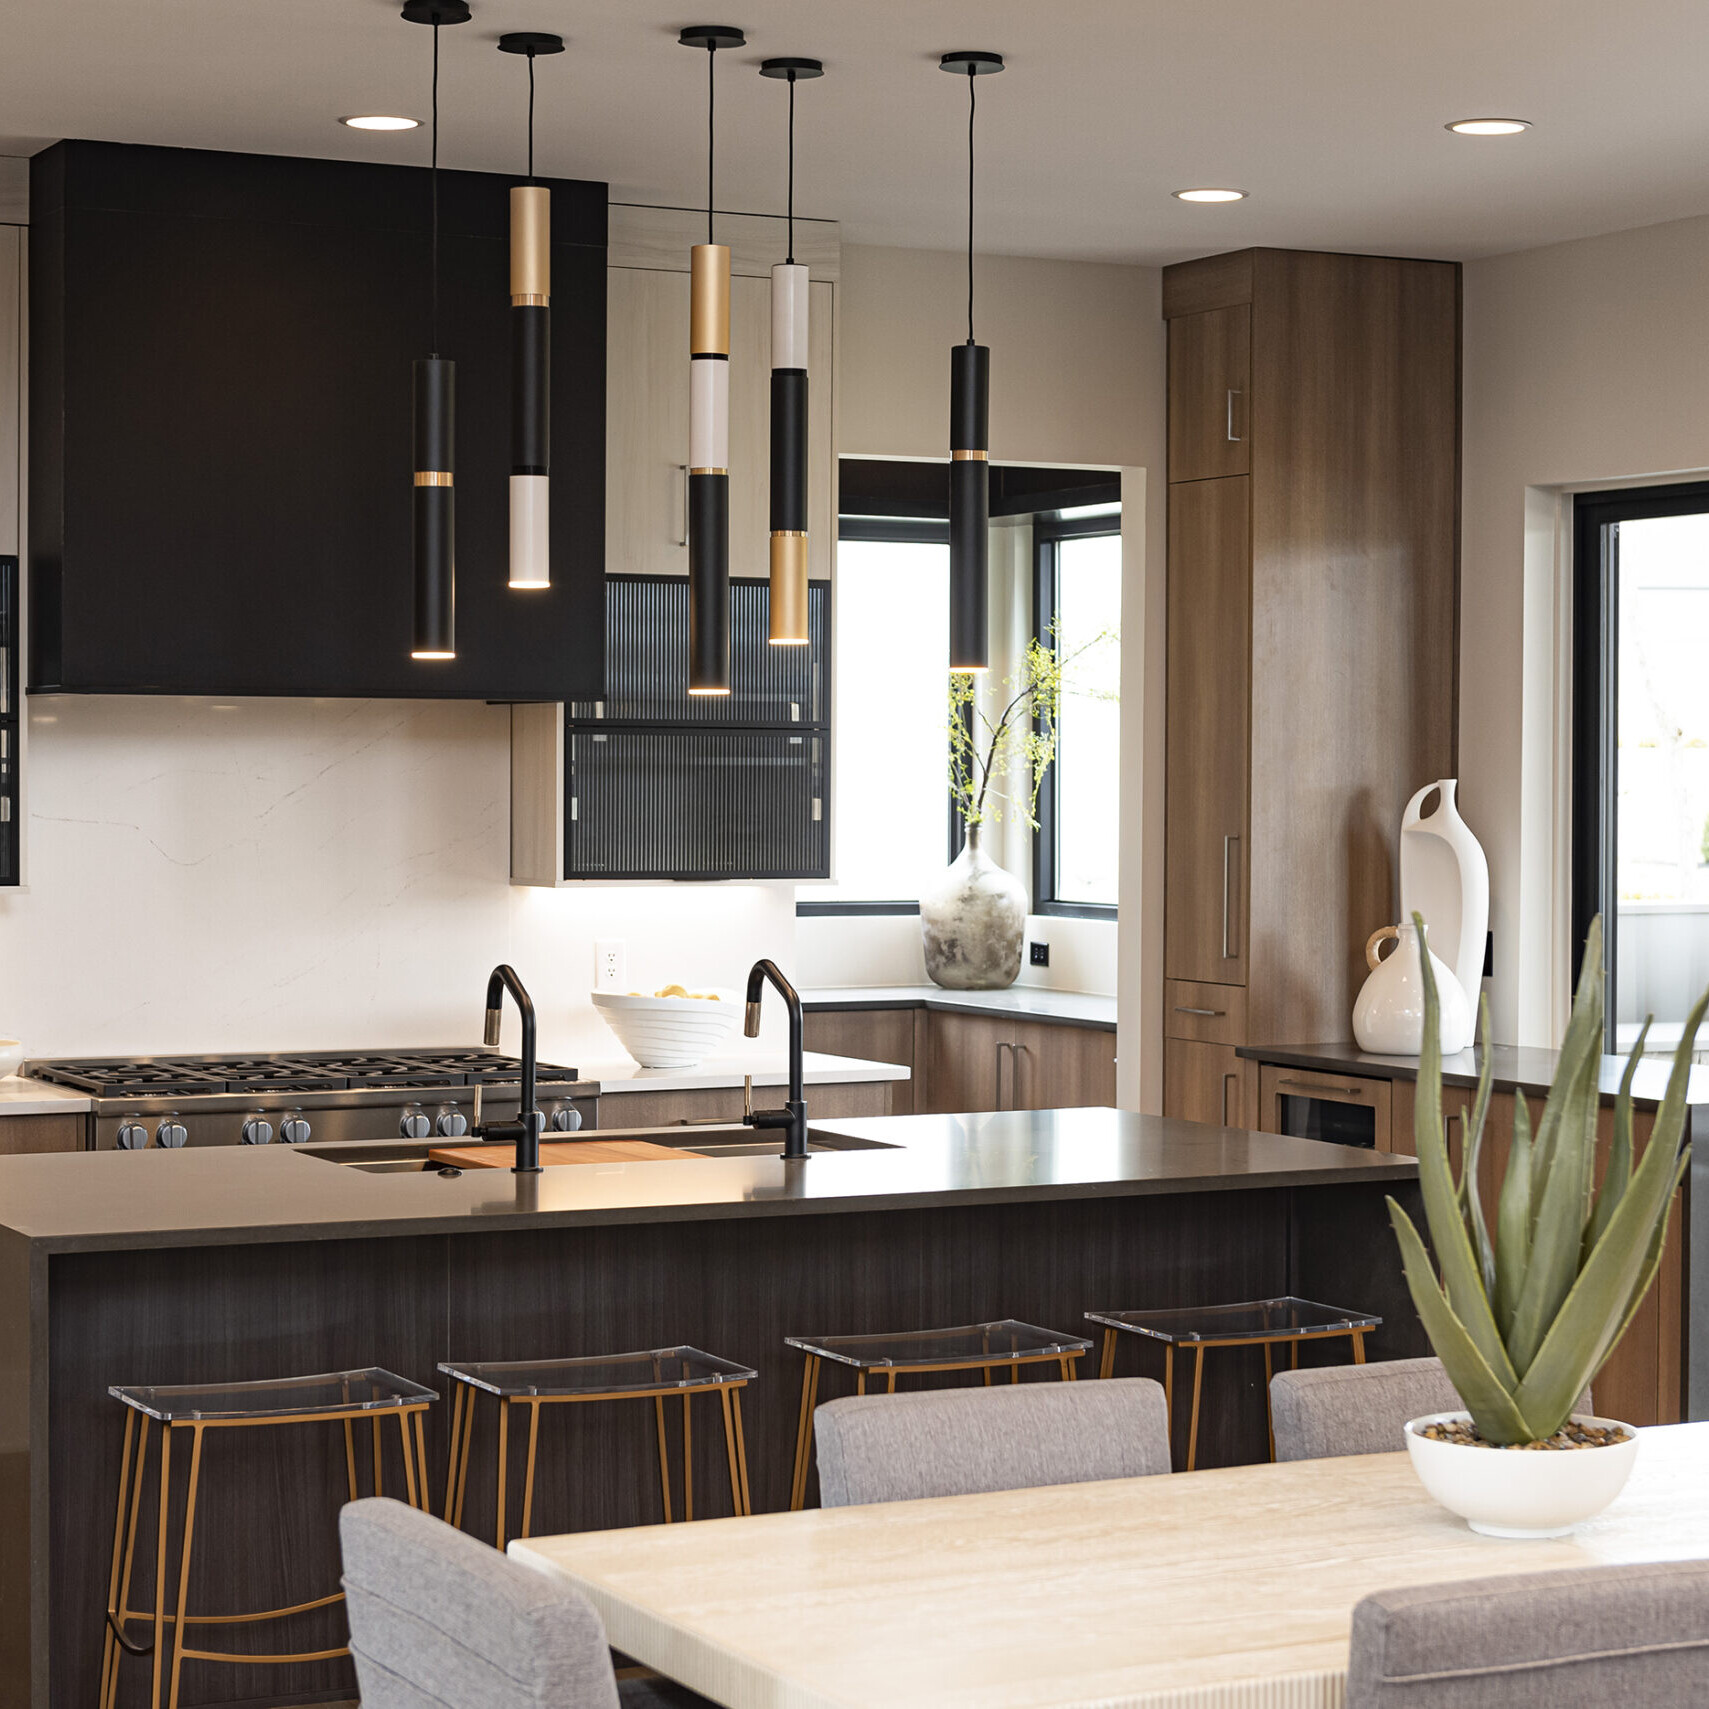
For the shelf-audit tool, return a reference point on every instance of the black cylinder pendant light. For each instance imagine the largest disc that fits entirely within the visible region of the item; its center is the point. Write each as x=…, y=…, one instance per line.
x=434, y=496
x=709, y=415
x=787, y=626
x=969, y=436
x=530, y=349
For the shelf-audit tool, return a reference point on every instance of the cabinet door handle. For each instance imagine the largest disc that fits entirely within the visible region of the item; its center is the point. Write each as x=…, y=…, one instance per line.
x=1228, y=418
x=1228, y=846
x=1215, y=1014
x=1227, y=1081
x=997, y=1074
x=1320, y=1090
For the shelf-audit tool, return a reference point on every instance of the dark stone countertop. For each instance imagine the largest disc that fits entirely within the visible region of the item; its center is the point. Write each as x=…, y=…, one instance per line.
x=1021, y=1002
x=227, y=1195
x=1513, y=1068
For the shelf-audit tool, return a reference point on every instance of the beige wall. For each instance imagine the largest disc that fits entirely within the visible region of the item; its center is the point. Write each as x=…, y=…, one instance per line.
x=1586, y=364
x=1077, y=377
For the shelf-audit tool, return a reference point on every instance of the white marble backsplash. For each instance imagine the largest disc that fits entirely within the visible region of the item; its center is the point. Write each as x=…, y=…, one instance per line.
x=211, y=875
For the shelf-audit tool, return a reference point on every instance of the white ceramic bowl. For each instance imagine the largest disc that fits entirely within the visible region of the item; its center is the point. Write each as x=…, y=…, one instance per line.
x=11, y=1055
x=668, y=1032
x=1519, y=1492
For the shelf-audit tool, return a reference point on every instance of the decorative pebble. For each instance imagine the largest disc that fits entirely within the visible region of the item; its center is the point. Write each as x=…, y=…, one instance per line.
x=1572, y=1434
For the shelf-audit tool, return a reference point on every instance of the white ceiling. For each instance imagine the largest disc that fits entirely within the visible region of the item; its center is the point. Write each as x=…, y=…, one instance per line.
x=1329, y=112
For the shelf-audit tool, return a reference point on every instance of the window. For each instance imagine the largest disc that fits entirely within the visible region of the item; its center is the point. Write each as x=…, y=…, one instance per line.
x=1078, y=600
x=889, y=797
x=1641, y=751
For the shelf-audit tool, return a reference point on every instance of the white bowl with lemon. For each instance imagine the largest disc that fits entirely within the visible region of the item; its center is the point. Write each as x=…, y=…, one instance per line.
x=673, y=1028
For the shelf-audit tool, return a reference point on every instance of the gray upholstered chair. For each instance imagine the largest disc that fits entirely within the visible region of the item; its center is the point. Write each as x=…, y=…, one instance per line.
x=1632, y=1636
x=1359, y=1409
x=437, y=1620
x=906, y=1447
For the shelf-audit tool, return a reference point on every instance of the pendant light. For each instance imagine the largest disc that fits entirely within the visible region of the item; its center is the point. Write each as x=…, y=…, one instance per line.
x=709, y=415
x=435, y=523
x=530, y=349
x=969, y=436
x=787, y=625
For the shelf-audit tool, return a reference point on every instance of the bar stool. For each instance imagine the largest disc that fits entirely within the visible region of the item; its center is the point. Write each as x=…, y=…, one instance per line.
x=969, y=1347
x=1249, y=1323
x=654, y=1375
x=335, y=1397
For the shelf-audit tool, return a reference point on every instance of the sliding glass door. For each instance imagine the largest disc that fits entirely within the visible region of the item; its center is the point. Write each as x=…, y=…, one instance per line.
x=1641, y=749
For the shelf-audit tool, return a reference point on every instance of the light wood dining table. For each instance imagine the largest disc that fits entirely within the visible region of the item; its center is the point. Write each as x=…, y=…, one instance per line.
x=1226, y=1589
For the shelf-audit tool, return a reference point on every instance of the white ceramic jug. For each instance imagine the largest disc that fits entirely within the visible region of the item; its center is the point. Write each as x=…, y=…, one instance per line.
x=1388, y=1019
x=1445, y=877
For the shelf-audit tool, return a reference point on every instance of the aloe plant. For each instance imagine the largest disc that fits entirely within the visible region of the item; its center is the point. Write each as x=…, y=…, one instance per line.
x=1523, y=1318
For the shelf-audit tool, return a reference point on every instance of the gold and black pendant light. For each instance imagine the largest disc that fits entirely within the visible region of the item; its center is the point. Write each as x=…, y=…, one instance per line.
x=709, y=415
x=969, y=436
x=789, y=315
x=530, y=349
x=435, y=516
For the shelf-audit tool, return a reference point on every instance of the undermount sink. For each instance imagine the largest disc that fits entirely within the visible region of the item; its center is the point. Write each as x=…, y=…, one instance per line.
x=410, y=1157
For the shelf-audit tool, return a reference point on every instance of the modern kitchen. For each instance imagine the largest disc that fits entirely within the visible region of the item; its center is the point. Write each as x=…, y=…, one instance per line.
x=852, y=858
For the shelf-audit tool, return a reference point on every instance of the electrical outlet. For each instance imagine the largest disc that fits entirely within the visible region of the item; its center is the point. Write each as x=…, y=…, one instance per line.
x=610, y=970
x=1039, y=954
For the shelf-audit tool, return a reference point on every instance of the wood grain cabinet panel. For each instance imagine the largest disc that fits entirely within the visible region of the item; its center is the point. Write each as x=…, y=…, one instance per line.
x=875, y=1035
x=976, y=1062
x=22, y=1135
x=841, y=1099
x=1206, y=1083
x=1210, y=394
x=1209, y=677
x=1214, y=1013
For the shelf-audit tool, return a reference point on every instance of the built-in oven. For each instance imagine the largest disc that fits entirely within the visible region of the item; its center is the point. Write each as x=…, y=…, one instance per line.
x=1339, y=1109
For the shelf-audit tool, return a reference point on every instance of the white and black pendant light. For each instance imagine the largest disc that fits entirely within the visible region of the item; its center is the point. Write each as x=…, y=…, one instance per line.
x=530, y=349
x=435, y=516
x=709, y=415
x=969, y=435
x=787, y=626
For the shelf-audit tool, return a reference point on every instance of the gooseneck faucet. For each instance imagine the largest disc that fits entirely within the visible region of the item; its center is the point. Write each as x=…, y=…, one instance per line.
x=792, y=1118
x=524, y=1132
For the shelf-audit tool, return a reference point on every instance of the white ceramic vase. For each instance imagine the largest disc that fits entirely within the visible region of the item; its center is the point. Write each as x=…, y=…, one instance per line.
x=974, y=923
x=1445, y=877
x=1520, y=1493
x=1388, y=1019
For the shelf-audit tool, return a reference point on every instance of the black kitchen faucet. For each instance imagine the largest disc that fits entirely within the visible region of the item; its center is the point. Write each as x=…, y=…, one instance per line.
x=792, y=1118
x=524, y=1132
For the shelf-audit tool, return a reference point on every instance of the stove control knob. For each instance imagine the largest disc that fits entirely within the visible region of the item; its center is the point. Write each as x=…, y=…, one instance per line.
x=257, y=1130
x=565, y=1120
x=414, y=1123
x=133, y=1136
x=295, y=1130
x=171, y=1133
x=452, y=1124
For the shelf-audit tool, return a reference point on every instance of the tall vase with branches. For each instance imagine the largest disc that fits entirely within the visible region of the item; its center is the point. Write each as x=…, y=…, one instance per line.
x=974, y=923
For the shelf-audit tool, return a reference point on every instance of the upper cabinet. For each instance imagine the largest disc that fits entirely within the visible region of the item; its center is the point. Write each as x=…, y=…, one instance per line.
x=1210, y=394
x=221, y=350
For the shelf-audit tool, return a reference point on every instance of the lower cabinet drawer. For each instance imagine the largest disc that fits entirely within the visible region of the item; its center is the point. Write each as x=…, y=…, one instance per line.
x=1338, y=1108
x=1213, y=1013
x=1206, y=1083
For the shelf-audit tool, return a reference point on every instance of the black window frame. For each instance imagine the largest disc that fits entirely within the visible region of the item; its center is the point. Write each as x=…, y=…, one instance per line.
x=907, y=531
x=1596, y=705
x=1048, y=534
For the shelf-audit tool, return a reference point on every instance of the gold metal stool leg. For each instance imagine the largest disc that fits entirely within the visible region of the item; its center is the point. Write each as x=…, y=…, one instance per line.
x=1107, y=1363
x=456, y=1443
x=741, y=1448
x=463, y=1461
x=160, y=1558
x=664, y=1454
x=804, y=1432
x=119, y=1593
x=687, y=1457
x=184, y=1562
x=417, y=1496
x=1269, y=1416
x=503, y=1448
x=1193, y=1428
x=730, y=1449
x=528, y=1474
x=374, y=1432
x=1358, y=1347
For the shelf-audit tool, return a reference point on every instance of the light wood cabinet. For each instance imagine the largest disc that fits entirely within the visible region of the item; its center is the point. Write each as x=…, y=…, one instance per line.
x=1204, y=933
x=1312, y=582
x=875, y=1035
x=23, y=1135
x=1210, y=394
x=1206, y=1083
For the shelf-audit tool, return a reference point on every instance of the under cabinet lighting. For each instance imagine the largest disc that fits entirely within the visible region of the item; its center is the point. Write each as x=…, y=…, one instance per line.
x=1489, y=127
x=379, y=122
x=1210, y=195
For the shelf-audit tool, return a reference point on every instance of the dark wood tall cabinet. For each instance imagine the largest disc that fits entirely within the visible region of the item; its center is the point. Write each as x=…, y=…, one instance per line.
x=1313, y=598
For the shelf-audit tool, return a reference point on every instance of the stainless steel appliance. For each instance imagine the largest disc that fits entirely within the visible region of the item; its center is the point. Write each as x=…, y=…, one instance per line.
x=295, y=1097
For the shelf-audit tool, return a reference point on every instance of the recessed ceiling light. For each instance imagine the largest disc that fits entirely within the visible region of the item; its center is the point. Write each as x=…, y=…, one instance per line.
x=379, y=122
x=1490, y=127
x=1210, y=195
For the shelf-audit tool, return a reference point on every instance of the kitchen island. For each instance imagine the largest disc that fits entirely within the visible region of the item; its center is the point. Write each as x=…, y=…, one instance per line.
x=227, y=1263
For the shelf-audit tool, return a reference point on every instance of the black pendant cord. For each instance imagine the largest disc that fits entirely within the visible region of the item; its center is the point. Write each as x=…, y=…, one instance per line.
x=711, y=127
x=972, y=108
x=789, y=260
x=433, y=176
x=531, y=118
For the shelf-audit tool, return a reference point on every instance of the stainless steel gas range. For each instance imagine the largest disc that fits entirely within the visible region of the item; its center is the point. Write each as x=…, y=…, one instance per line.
x=293, y=1097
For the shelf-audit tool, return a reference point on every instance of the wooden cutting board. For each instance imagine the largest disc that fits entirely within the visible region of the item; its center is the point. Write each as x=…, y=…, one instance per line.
x=574, y=1151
